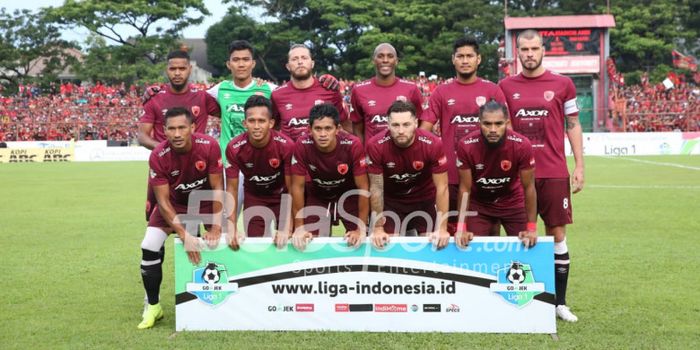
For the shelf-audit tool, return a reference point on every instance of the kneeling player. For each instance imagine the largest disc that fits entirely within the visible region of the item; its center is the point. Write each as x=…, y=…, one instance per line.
x=336, y=163
x=184, y=163
x=408, y=179
x=496, y=169
x=262, y=155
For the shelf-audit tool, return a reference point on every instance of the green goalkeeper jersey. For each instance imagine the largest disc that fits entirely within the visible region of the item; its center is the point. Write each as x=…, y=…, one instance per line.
x=231, y=99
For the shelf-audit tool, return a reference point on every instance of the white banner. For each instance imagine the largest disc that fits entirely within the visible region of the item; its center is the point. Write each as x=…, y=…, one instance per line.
x=496, y=285
x=639, y=143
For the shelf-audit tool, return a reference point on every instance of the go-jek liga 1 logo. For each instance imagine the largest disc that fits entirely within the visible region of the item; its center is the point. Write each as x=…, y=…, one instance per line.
x=516, y=284
x=210, y=284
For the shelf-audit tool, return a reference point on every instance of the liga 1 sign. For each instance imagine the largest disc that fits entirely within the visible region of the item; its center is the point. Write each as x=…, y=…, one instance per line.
x=495, y=285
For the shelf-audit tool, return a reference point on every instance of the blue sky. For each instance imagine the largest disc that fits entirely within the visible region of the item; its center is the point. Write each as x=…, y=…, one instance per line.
x=217, y=9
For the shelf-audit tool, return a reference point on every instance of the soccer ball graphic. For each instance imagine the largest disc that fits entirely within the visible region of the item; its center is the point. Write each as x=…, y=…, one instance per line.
x=211, y=274
x=516, y=273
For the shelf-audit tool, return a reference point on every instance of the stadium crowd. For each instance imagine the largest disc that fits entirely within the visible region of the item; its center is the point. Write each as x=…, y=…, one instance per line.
x=104, y=112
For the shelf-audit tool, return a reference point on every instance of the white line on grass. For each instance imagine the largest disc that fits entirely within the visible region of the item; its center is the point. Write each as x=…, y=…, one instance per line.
x=645, y=187
x=657, y=163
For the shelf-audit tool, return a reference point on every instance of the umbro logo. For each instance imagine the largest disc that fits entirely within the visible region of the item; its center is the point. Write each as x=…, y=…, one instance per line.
x=451, y=102
x=479, y=167
x=516, y=96
x=371, y=103
x=288, y=106
x=249, y=165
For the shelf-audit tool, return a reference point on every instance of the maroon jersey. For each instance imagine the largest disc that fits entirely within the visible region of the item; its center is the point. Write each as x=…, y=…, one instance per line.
x=263, y=168
x=200, y=104
x=331, y=173
x=496, y=171
x=292, y=106
x=407, y=171
x=370, y=102
x=537, y=109
x=185, y=172
x=456, y=107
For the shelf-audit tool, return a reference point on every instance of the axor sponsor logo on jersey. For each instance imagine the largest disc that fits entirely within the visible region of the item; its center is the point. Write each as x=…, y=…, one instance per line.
x=328, y=183
x=378, y=118
x=235, y=108
x=405, y=177
x=464, y=119
x=192, y=185
x=298, y=122
x=524, y=113
x=493, y=180
x=261, y=179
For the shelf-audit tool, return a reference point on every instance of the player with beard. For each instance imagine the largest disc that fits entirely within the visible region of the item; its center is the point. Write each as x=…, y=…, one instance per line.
x=497, y=170
x=408, y=179
x=176, y=94
x=543, y=108
x=336, y=163
x=454, y=106
x=371, y=98
x=186, y=162
x=293, y=101
x=263, y=156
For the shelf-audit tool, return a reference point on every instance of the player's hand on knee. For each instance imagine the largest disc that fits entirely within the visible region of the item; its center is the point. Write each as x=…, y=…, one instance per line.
x=462, y=238
x=329, y=82
x=354, y=237
x=528, y=238
x=379, y=238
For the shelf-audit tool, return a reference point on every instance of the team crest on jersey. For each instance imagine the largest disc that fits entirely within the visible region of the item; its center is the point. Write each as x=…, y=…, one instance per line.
x=318, y=102
x=200, y=165
x=548, y=95
x=274, y=162
x=418, y=165
x=401, y=98
x=195, y=110
x=480, y=100
x=342, y=168
x=505, y=165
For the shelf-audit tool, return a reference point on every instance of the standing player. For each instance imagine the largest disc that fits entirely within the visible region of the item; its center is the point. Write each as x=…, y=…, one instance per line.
x=176, y=94
x=542, y=105
x=497, y=170
x=371, y=98
x=233, y=94
x=336, y=163
x=293, y=101
x=455, y=106
x=263, y=156
x=408, y=178
x=185, y=163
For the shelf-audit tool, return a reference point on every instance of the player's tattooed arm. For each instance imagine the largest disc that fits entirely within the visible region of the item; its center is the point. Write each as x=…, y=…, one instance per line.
x=571, y=122
x=376, y=199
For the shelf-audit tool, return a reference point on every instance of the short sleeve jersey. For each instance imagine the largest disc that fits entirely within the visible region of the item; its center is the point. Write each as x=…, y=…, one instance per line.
x=232, y=99
x=263, y=168
x=292, y=106
x=456, y=107
x=185, y=172
x=200, y=104
x=496, y=171
x=538, y=107
x=332, y=173
x=371, y=101
x=407, y=171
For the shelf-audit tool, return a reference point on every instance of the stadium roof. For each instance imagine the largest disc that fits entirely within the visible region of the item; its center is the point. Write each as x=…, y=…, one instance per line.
x=583, y=21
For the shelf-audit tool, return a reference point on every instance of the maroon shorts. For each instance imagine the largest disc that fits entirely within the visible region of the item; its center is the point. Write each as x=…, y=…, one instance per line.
x=258, y=213
x=157, y=220
x=554, y=201
x=415, y=222
x=331, y=214
x=486, y=222
x=150, y=200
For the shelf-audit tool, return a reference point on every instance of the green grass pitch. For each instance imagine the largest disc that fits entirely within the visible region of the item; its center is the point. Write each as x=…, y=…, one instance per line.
x=70, y=235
